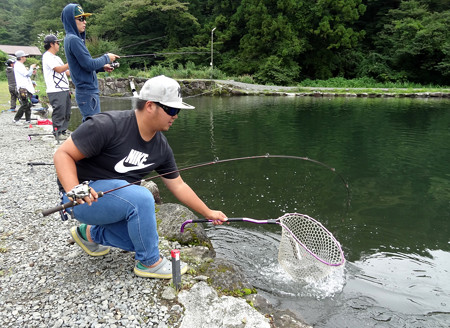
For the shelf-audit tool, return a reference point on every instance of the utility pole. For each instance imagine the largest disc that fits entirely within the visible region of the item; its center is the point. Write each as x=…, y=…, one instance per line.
x=212, y=51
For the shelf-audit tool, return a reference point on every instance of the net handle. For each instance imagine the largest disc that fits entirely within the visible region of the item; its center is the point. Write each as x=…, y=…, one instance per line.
x=230, y=220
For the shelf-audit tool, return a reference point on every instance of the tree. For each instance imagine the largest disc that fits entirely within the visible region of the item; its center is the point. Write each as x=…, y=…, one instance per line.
x=264, y=35
x=146, y=19
x=333, y=32
x=15, y=18
x=416, y=42
x=305, y=36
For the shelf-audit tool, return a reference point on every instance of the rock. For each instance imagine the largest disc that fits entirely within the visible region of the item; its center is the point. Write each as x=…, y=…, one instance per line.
x=226, y=276
x=170, y=217
x=153, y=187
x=222, y=312
x=198, y=254
x=168, y=294
x=280, y=318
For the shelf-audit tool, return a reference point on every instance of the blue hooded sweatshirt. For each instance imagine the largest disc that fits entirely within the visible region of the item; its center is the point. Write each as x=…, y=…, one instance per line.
x=83, y=68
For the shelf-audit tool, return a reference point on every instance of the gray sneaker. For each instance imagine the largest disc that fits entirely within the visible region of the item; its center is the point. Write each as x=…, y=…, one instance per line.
x=162, y=271
x=17, y=122
x=93, y=249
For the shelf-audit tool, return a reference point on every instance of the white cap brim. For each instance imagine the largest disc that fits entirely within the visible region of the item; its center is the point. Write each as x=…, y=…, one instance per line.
x=179, y=105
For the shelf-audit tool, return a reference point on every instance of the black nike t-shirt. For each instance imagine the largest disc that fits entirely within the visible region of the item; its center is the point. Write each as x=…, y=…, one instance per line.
x=114, y=149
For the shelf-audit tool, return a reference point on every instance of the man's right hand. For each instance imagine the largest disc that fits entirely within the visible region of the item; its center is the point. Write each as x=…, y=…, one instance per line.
x=112, y=57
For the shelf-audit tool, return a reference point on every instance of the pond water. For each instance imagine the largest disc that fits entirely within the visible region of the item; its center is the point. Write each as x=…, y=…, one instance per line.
x=393, y=227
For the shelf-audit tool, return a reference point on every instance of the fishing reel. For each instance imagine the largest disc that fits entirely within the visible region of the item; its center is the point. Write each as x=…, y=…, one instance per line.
x=115, y=65
x=80, y=191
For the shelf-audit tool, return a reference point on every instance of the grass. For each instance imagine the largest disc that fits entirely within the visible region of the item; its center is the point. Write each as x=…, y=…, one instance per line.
x=190, y=71
x=4, y=95
x=369, y=85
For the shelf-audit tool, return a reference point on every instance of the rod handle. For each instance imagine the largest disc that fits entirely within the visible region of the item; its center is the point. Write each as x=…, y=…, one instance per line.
x=64, y=206
x=58, y=208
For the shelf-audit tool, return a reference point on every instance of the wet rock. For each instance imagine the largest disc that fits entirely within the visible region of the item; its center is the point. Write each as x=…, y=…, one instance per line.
x=279, y=318
x=227, y=277
x=170, y=218
x=223, y=312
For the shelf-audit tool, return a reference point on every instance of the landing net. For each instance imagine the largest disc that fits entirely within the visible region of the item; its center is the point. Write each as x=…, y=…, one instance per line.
x=307, y=249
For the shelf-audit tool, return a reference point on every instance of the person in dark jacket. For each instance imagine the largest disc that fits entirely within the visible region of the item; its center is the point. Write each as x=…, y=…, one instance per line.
x=11, y=83
x=83, y=68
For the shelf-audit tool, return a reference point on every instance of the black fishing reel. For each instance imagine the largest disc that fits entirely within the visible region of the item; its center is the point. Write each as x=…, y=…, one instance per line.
x=115, y=65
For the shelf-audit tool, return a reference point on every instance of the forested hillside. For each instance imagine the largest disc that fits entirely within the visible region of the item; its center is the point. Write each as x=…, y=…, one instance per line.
x=279, y=42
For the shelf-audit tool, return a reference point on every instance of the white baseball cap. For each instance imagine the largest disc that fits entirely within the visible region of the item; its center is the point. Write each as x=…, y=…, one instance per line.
x=164, y=90
x=21, y=53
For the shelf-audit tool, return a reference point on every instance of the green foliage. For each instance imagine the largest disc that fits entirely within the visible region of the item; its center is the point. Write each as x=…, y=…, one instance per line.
x=273, y=71
x=360, y=83
x=46, y=17
x=98, y=46
x=146, y=19
x=416, y=42
x=375, y=65
x=277, y=42
x=3, y=56
x=334, y=20
x=188, y=71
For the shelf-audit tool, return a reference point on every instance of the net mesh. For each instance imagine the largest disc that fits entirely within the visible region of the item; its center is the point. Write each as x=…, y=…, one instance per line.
x=307, y=249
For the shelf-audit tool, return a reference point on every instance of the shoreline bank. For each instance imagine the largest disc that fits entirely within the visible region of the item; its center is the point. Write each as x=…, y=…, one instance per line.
x=193, y=87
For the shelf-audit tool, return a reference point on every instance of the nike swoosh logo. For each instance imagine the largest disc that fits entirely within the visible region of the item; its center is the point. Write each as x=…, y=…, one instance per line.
x=120, y=168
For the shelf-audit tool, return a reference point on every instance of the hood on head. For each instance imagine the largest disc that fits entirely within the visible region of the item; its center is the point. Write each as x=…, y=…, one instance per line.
x=68, y=20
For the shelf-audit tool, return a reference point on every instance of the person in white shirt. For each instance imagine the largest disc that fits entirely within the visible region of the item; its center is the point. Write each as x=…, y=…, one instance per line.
x=55, y=75
x=24, y=86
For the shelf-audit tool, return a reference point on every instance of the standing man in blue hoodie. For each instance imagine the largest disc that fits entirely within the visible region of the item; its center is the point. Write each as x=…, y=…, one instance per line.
x=83, y=68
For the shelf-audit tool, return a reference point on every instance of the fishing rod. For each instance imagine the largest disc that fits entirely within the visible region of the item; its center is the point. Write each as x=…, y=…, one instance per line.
x=215, y=161
x=164, y=53
x=39, y=134
x=43, y=134
x=32, y=164
x=39, y=163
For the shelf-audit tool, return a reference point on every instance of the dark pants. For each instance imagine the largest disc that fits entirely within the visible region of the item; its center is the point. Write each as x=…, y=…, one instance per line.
x=25, y=105
x=61, y=105
x=13, y=92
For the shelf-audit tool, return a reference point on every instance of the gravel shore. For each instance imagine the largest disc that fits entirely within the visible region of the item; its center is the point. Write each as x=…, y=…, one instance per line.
x=47, y=281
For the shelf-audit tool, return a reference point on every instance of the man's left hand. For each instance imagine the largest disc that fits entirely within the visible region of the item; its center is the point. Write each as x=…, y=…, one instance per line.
x=108, y=68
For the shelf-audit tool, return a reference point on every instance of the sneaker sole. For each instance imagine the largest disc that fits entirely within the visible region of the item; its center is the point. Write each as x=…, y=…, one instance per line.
x=73, y=232
x=145, y=274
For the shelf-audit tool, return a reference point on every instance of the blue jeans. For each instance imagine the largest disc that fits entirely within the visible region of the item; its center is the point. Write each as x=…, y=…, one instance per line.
x=124, y=218
x=89, y=104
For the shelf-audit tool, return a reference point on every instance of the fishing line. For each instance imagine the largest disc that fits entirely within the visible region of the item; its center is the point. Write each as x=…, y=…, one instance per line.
x=164, y=54
x=203, y=93
x=137, y=43
x=215, y=161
